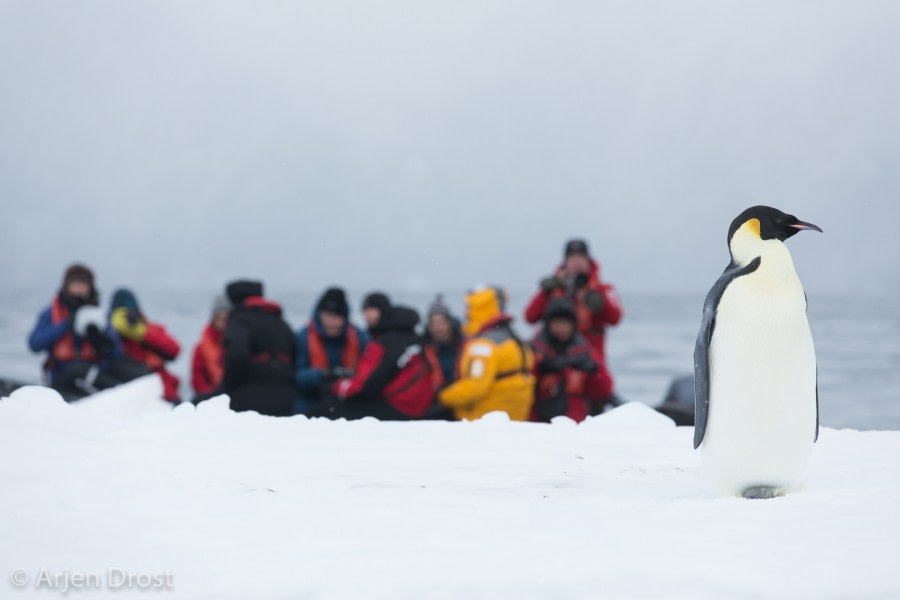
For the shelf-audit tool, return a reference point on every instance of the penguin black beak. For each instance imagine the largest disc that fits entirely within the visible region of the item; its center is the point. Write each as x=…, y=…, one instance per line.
x=801, y=225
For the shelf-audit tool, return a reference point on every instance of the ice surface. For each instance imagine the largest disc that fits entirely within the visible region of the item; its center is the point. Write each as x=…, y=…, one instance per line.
x=245, y=506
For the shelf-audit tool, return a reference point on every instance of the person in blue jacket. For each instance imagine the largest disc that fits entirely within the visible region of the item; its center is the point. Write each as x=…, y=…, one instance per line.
x=84, y=355
x=328, y=349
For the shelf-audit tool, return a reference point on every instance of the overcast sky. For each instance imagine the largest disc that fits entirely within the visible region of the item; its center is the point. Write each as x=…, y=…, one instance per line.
x=434, y=144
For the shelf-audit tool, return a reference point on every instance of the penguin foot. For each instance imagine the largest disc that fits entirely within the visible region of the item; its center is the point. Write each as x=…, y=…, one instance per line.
x=761, y=492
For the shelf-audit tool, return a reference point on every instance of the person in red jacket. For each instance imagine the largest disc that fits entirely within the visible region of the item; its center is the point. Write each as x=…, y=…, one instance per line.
x=571, y=377
x=393, y=382
x=144, y=341
x=578, y=279
x=208, y=360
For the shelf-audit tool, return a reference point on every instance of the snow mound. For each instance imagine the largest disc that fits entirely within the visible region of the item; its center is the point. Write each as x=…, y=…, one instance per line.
x=35, y=400
x=216, y=404
x=497, y=418
x=630, y=417
x=133, y=399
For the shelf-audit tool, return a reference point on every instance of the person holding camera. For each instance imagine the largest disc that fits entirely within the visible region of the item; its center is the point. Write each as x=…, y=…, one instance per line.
x=328, y=349
x=572, y=379
x=84, y=354
x=143, y=341
x=578, y=279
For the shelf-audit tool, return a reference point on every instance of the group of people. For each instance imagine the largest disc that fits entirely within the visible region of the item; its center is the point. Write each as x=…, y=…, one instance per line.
x=452, y=369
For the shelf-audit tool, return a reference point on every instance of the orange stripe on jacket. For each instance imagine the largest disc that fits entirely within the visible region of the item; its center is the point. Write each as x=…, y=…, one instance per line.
x=318, y=356
x=64, y=348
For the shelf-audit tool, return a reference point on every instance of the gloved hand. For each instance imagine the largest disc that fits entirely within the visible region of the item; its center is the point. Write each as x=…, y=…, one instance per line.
x=129, y=324
x=583, y=362
x=332, y=374
x=594, y=300
x=555, y=364
x=548, y=284
x=101, y=342
x=339, y=373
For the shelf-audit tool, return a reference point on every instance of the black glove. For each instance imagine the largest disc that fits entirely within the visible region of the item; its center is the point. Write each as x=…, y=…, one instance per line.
x=555, y=364
x=101, y=342
x=548, y=284
x=75, y=302
x=133, y=317
x=594, y=300
x=332, y=374
x=583, y=362
x=340, y=373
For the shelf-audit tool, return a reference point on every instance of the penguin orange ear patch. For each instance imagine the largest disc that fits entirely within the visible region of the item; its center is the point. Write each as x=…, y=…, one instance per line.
x=753, y=226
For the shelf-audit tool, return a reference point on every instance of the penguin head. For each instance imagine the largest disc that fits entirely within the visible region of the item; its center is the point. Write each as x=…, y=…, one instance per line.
x=761, y=225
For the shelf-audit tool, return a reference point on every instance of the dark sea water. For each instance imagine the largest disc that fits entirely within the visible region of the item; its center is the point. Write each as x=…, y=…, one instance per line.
x=857, y=343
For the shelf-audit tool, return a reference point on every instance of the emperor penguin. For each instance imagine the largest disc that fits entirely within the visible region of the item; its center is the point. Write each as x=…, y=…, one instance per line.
x=755, y=380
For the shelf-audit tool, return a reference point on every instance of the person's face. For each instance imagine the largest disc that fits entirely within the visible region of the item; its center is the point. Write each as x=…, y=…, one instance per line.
x=372, y=315
x=78, y=289
x=577, y=263
x=220, y=320
x=561, y=329
x=440, y=329
x=332, y=323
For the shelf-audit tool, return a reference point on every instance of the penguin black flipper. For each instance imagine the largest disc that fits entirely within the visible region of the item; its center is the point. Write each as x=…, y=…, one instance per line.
x=815, y=439
x=701, y=348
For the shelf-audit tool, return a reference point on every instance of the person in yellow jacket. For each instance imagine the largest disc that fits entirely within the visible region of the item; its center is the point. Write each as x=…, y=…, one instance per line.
x=496, y=367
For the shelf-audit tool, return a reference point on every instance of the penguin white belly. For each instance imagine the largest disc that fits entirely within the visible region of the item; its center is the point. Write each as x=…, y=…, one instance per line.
x=762, y=403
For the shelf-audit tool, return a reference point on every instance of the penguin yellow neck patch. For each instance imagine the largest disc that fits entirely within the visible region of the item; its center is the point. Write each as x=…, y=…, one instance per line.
x=752, y=226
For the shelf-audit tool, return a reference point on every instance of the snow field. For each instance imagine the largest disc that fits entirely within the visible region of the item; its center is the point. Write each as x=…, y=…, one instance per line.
x=245, y=506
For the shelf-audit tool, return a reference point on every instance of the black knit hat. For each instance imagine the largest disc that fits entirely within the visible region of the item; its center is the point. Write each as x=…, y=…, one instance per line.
x=576, y=246
x=334, y=300
x=377, y=300
x=398, y=318
x=560, y=308
x=240, y=290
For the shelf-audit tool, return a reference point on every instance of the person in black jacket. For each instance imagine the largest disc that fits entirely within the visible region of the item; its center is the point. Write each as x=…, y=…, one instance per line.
x=260, y=349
